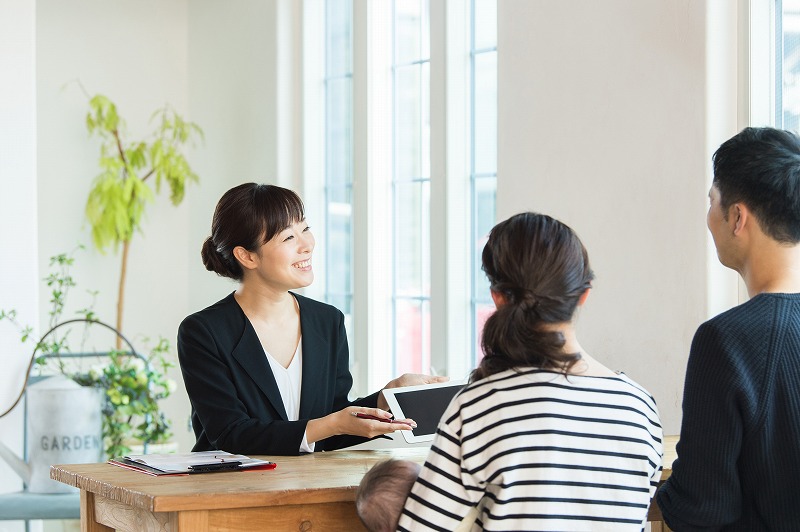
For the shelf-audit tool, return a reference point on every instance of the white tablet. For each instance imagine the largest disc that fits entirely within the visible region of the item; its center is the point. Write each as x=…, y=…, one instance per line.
x=425, y=404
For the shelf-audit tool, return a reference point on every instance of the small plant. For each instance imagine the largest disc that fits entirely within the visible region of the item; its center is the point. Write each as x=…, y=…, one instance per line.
x=133, y=384
x=133, y=388
x=59, y=281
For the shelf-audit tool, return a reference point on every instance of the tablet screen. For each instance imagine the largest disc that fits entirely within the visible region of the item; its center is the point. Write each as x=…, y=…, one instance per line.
x=424, y=404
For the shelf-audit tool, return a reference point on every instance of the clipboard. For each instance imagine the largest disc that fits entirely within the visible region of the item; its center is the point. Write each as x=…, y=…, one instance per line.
x=190, y=463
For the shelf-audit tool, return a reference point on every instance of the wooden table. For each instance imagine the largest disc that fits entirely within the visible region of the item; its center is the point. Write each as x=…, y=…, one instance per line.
x=654, y=514
x=305, y=493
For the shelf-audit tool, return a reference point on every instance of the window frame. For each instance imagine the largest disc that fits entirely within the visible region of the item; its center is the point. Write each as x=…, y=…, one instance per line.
x=450, y=186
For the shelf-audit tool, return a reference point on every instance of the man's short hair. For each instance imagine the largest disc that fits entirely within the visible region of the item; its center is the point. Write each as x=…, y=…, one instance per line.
x=382, y=493
x=760, y=167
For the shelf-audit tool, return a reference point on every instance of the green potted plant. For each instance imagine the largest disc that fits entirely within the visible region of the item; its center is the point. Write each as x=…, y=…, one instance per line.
x=133, y=387
x=131, y=174
x=133, y=384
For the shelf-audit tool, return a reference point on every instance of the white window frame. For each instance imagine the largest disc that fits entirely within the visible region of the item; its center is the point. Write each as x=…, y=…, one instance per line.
x=757, y=39
x=477, y=299
x=450, y=193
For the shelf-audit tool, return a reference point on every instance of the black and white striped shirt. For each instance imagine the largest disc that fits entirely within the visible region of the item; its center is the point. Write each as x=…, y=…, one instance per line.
x=536, y=450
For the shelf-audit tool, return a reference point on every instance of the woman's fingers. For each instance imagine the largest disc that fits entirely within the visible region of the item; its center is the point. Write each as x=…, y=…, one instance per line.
x=409, y=379
x=371, y=422
x=415, y=379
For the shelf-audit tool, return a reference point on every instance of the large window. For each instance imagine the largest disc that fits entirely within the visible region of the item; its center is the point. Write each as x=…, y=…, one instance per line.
x=338, y=197
x=411, y=187
x=483, y=163
x=405, y=92
x=787, y=68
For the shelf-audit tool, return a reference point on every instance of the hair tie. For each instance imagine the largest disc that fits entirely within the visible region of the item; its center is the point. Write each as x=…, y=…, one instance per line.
x=527, y=300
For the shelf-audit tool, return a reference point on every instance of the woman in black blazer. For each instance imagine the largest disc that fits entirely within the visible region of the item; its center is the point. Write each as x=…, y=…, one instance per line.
x=266, y=370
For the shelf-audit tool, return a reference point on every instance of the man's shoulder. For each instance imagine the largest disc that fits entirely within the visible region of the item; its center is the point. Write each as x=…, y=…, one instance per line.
x=745, y=330
x=733, y=315
x=759, y=311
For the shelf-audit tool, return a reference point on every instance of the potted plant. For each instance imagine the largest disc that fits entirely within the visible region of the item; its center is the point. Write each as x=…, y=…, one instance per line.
x=132, y=383
x=131, y=174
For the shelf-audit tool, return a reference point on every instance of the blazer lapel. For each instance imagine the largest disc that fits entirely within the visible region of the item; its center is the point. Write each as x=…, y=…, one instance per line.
x=314, y=367
x=250, y=354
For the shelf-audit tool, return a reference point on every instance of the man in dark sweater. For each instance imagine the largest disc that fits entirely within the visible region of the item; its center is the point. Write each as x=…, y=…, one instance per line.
x=738, y=465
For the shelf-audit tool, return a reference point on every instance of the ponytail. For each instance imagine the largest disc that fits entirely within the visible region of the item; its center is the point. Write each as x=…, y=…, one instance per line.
x=540, y=269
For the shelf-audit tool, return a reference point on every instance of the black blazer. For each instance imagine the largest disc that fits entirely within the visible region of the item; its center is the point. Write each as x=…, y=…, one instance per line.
x=236, y=405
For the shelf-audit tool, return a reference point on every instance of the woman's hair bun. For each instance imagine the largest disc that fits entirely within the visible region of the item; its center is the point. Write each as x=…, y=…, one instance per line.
x=213, y=260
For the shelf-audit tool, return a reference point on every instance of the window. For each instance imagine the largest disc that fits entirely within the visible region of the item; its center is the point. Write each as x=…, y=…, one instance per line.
x=338, y=200
x=411, y=187
x=787, y=68
x=483, y=166
x=402, y=91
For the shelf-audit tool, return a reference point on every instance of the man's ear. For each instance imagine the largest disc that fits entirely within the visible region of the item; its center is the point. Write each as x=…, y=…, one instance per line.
x=739, y=215
x=245, y=258
x=498, y=298
x=584, y=296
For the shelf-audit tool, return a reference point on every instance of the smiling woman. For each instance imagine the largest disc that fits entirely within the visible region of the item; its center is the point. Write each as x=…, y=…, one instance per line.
x=267, y=370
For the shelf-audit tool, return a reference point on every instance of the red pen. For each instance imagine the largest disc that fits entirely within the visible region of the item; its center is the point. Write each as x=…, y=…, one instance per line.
x=362, y=415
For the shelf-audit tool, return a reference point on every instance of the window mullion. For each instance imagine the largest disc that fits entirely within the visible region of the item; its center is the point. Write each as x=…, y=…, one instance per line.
x=371, y=191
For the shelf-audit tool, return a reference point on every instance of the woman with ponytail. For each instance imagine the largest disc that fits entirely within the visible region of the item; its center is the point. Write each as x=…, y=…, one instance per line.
x=266, y=369
x=544, y=437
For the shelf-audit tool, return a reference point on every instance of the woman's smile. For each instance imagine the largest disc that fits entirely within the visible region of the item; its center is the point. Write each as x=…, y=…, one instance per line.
x=304, y=265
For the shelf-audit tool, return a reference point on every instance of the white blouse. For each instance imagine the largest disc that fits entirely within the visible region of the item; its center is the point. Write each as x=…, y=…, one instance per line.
x=289, y=382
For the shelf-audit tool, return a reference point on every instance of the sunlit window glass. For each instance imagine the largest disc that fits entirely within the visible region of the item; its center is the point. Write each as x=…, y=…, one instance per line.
x=339, y=155
x=483, y=167
x=788, y=65
x=411, y=186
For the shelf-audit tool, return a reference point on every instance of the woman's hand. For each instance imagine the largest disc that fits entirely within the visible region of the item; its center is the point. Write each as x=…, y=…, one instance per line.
x=408, y=379
x=370, y=422
x=356, y=421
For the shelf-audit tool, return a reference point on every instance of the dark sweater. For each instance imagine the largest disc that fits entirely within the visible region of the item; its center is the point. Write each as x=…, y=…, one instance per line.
x=738, y=465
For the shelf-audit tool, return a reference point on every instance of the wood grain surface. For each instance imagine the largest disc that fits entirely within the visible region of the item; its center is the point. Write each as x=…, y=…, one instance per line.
x=303, y=493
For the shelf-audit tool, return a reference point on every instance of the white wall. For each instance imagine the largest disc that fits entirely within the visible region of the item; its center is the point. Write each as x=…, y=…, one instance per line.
x=602, y=109
x=233, y=96
x=18, y=210
x=215, y=63
x=134, y=52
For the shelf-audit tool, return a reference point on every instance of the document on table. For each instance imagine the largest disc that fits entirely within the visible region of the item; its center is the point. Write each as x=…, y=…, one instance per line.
x=185, y=463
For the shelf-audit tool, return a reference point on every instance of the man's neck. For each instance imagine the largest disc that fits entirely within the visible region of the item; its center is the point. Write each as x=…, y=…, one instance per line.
x=774, y=268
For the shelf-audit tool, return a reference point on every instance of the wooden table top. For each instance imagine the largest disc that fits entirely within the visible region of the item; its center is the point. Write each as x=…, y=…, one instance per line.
x=309, y=479
x=670, y=455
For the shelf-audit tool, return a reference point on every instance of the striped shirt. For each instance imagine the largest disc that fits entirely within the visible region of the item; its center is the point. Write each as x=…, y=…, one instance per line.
x=536, y=450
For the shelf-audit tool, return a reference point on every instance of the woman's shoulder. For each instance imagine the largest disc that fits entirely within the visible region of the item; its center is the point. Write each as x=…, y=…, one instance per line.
x=517, y=378
x=629, y=382
x=225, y=309
x=313, y=306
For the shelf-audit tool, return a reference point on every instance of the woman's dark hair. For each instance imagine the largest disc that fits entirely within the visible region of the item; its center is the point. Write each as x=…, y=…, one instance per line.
x=248, y=215
x=541, y=269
